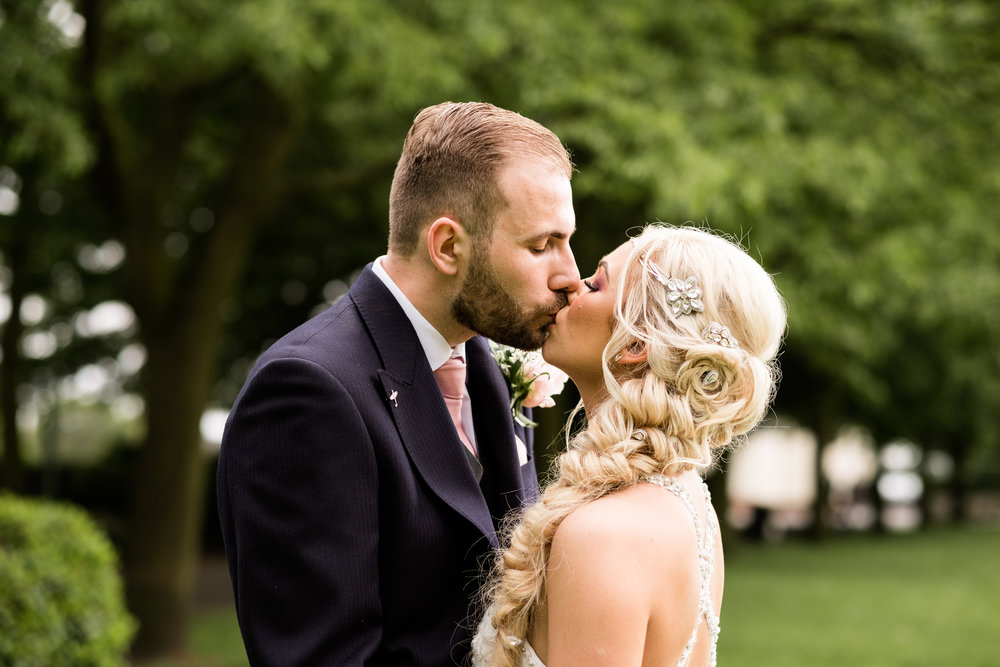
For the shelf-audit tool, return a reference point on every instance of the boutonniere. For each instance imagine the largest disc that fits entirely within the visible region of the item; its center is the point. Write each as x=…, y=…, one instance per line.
x=532, y=382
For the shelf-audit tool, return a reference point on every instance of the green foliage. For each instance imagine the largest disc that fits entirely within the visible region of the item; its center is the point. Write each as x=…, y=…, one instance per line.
x=39, y=114
x=241, y=153
x=850, y=143
x=61, y=602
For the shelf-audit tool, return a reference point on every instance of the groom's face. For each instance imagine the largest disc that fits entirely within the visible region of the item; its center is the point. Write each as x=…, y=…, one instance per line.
x=517, y=282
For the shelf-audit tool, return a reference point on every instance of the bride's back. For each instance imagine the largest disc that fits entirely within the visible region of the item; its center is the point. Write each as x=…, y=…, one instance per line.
x=624, y=580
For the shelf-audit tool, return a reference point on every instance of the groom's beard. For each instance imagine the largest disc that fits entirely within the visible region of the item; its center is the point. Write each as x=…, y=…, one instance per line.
x=486, y=307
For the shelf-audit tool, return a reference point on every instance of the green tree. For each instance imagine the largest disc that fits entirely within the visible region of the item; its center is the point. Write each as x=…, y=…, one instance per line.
x=241, y=154
x=201, y=120
x=42, y=149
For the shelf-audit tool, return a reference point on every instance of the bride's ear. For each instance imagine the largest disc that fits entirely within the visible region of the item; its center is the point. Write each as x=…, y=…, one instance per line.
x=634, y=353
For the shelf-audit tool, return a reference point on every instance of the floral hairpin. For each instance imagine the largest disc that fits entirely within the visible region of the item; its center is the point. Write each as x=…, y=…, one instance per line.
x=684, y=296
x=716, y=333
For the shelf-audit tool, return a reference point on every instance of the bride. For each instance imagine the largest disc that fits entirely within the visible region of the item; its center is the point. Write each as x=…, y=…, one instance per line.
x=672, y=345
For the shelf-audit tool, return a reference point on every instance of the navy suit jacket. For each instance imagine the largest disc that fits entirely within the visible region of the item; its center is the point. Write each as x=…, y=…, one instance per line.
x=354, y=526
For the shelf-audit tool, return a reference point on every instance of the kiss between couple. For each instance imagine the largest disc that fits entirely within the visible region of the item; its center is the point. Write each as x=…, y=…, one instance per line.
x=364, y=482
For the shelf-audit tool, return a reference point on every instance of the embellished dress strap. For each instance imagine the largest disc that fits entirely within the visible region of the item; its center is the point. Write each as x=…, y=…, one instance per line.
x=706, y=564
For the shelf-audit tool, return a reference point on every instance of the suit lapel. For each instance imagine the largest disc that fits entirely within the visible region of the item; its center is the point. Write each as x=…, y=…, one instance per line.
x=414, y=402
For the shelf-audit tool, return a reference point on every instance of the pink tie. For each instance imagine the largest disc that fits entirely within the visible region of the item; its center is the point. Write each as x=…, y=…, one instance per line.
x=451, y=378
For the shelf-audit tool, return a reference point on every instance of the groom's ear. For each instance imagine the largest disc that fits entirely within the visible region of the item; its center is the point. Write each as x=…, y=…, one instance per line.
x=447, y=243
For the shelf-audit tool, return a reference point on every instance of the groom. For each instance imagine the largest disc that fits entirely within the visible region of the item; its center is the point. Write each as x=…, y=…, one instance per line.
x=359, y=488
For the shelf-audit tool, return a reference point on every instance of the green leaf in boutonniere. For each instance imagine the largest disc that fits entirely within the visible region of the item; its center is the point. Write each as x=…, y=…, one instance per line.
x=531, y=381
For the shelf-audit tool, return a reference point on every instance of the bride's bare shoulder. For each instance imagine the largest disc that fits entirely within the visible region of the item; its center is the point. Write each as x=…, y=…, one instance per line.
x=636, y=521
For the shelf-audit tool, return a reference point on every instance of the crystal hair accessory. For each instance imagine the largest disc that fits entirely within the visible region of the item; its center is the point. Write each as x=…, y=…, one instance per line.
x=684, y=296
x=720, y=335
x=710, y=378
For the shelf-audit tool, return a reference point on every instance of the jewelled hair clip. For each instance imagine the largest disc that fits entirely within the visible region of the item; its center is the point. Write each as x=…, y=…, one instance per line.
x=684, y=296
x=720, y=335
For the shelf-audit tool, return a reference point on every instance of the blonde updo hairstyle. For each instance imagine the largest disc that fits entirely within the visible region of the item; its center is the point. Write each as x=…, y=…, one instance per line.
x=661, y=416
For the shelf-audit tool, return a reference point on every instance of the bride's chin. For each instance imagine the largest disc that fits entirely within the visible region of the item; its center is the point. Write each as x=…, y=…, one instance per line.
x=547, y=350
x=551, y=355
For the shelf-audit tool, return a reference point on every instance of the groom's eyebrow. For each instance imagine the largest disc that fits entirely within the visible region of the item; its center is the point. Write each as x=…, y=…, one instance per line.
x=538, y=238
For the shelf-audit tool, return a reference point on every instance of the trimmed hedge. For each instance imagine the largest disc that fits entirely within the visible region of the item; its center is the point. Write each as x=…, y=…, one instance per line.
x=61, y=598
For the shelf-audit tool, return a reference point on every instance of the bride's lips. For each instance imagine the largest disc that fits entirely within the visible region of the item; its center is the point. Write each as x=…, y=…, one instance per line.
x=554, y=314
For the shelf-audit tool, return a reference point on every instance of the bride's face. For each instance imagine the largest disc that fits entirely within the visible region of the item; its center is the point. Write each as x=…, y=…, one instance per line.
x=582, y=329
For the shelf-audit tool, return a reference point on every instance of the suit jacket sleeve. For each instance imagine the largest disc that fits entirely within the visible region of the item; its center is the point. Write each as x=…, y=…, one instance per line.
x=298, y=505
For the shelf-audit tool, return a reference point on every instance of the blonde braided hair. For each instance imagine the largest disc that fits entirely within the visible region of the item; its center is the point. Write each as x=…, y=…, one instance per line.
x=660, y=417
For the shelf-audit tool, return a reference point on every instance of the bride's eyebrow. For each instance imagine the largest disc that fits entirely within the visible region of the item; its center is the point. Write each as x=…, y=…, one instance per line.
x=603, y=265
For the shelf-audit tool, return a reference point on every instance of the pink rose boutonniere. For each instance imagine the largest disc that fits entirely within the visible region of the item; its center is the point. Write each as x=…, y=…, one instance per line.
x=532, y=382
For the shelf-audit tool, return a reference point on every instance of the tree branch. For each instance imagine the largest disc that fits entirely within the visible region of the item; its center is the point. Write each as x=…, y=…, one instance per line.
x=252, y=187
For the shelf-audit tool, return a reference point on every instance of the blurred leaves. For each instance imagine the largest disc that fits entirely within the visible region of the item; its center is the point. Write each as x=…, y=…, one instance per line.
x=242, y=153
x=851, y=144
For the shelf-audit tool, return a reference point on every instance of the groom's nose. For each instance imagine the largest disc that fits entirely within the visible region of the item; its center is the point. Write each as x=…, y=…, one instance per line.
x=565, y=277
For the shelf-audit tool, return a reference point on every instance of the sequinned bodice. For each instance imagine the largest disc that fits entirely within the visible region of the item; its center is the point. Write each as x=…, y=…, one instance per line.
x=706, y=565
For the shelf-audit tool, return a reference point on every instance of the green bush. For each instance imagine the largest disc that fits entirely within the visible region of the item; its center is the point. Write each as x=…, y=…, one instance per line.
x=61, y=600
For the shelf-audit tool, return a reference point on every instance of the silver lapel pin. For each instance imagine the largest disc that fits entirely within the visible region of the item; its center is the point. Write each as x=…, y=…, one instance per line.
x=392, y=397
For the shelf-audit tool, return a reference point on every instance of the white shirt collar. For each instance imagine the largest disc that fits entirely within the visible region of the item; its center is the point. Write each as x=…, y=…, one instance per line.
x=436, y=348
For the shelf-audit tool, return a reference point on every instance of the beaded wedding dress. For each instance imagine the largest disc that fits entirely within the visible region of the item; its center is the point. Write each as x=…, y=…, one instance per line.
x=482, y=643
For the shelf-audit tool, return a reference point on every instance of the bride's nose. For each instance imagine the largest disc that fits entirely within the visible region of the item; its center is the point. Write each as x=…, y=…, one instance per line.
x=576, y=293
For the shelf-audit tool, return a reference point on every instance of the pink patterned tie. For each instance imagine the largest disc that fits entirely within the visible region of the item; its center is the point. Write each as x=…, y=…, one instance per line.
x=451, y=378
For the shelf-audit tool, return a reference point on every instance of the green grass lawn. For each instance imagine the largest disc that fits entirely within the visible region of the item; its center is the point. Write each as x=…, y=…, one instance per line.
x=899, y=601
x=931, y=599
x=213, y=641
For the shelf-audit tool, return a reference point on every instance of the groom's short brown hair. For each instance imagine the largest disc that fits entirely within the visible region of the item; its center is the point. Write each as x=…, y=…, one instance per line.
x=451, y=163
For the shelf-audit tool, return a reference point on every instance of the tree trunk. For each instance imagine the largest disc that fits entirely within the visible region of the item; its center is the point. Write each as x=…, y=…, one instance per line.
x=164, y=536
x=825, y=431
x=958, y=490
x=878, y=502
x=13, y=464
x=181, y=327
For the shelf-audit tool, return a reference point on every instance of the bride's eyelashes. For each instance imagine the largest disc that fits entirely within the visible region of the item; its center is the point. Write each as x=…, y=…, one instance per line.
x=596, y=282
